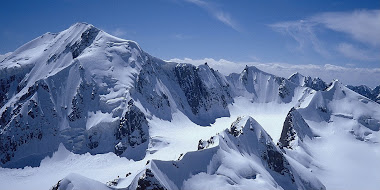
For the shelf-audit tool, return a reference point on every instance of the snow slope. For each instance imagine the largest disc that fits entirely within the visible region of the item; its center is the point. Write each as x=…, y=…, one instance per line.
x=344, y=130
x=64, y=79
x=84, y=109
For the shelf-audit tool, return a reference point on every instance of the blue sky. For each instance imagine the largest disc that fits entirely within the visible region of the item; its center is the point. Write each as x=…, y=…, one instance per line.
x=344, y=33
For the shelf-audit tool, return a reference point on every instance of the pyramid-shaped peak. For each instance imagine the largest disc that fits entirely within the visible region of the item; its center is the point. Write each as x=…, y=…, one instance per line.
x=251, y=68
x=297, y=78
x=336, y=84
x=294, y=128
x=306, y=81
x=79, y=28
x=296, y=74
x=81, y=25
x=244, y=124
x=254, y=69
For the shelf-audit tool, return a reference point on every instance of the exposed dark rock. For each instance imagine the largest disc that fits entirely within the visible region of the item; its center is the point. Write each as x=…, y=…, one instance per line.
x=202, y=144
x=288, y=134
x=148, y=182
x=192, y=86
x=87, y=38
x=113, y=182
x=277, y=162
x=5, y=117
x=10, y=81
x=283, y=91
x=132, y=129
x=294, y=128
x=234, y=129
x=85, y=93
x=145, y=87
x=93, y=143
x=56, y=186
x=19, y=131
x=372, y=94
x=313, y=83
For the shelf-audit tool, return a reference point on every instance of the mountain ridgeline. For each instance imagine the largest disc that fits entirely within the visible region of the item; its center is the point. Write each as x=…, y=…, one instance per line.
x=95, y=93
x=373, y=94
x=53, y=87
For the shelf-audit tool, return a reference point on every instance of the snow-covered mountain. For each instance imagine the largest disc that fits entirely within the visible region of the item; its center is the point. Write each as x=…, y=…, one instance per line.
x=373, y=94
x=242, y=156
x=91, y=106
x=313, y=83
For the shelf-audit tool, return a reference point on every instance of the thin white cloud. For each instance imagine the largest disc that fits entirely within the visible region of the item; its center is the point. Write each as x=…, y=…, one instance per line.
x=226, y=19
x=217, y=13
x=328, y=72
x=254, y=58
x=303, y=32
x=361, y=26
x=118, y=32
x=221, y=65
x=353, y=52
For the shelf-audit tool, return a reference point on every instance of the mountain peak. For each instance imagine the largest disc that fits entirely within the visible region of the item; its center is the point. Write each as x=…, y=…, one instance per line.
x=251, y=68
x=334, y=85
x=294, y=130
x=296, y=74
x=82, y=24
x=306, y=81
x=79, y=28
x=373, y=94
x=297, y=78
x=243, y=124
x=254, y=69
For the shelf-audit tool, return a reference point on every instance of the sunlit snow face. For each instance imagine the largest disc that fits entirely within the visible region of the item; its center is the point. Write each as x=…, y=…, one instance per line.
x=90, y=84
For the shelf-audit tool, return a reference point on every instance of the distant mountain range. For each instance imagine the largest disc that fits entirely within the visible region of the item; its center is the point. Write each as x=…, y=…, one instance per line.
x=319, y=84
x=373, y=94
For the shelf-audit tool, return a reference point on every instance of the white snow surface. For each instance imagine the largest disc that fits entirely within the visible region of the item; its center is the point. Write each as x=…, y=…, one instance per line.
x=101, y=167
x=169, y=139
x=348, y=142
x=344, y=154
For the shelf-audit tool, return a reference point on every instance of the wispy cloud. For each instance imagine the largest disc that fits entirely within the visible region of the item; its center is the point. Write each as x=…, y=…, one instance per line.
x=217, y=13
x=361, y=26
x=353, y=52
x=303, y=31
x=328, y=72
x=118, y=32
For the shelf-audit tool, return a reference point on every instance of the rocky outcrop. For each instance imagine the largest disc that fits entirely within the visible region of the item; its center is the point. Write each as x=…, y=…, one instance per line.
x=313, y=83
x=260, y=86
x=294, y=130
x=132, y=131
x=26, y=124
x=373, y=94
x=148, y=181
x=239, y=146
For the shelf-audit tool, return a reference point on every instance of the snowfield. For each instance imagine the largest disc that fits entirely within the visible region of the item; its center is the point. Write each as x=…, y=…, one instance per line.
x=82, y=109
